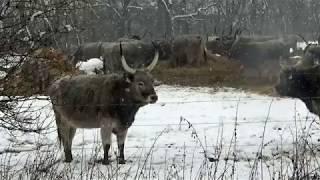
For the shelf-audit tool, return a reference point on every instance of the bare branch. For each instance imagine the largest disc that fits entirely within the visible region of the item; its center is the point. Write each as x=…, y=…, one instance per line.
x=192, y=15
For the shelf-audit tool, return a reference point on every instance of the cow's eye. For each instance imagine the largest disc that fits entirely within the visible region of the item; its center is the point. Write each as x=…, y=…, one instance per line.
x=141, y=84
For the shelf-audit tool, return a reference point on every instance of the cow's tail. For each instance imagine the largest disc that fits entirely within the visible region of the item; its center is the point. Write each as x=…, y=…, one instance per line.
x=58, y=123
x=52, y=92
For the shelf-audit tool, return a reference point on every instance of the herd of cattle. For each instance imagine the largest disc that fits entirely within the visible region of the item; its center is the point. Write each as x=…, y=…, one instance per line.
x=110, y=100
x=183, y=50
x=259, y=55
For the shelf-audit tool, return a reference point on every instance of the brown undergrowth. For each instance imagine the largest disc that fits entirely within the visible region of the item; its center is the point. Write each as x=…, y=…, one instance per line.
x=37, y=72
x=220, y=72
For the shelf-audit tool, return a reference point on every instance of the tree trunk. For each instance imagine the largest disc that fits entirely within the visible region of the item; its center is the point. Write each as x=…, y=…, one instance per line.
x=164, y=22
x=124, y=19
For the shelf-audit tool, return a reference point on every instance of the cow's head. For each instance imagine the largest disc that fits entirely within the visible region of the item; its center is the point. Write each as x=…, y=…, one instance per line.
x=298, y=81
x=164, y=47
x=223, y=44
x=139, y=81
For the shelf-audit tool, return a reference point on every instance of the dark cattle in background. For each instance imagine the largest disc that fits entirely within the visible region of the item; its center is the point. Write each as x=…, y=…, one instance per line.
x=94, y=49
x=108, y=102
x=223, y=44
x=245, y=39
x=188, y=50
x=312, y=54
x=301, y=81
x=130, y=38
x=138, y=53
x=259, y=55
x=251, y=53
x=87, y=51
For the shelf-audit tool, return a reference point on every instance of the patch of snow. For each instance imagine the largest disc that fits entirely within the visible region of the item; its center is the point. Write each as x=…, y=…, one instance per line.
x=68, y=27
x=291, y=50
x=25, y=39
x=42, y=33
x=295, y=57
x=9, y=61
x=90, y=66
x=2, y=74
x=303, y=45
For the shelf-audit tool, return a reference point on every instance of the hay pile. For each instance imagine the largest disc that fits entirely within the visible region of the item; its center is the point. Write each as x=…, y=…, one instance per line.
x=37, y=72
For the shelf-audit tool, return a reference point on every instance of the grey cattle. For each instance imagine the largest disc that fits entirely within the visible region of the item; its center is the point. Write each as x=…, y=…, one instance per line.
x=312, y=54
x=108, y=102
x=260, y=58
x=188, y=50
x=138, y=53
x=301, y=81
x=225, y=45
x=259, y=55
x=87, y=51
x=253, y=53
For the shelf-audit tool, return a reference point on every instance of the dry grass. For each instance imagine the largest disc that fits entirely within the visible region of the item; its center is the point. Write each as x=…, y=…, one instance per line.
x=37, y=72
x=216, y=73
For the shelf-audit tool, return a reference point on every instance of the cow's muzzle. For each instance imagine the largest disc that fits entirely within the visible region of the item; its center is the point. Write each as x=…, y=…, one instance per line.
x=152, y=98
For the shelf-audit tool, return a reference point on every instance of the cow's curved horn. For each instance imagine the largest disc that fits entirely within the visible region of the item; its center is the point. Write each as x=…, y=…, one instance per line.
x=125, y=66
x=154, y=61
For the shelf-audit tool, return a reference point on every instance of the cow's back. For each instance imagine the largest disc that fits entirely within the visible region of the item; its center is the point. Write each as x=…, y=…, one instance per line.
x=137, y=54
x=83, y=99
x=87, y=51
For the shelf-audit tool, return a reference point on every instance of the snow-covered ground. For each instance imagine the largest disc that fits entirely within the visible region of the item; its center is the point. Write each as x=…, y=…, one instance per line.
x=9, y=61
x=176, y=138
x=303, y=45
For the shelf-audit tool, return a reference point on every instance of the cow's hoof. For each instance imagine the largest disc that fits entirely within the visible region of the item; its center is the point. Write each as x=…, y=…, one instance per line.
x=121, y=161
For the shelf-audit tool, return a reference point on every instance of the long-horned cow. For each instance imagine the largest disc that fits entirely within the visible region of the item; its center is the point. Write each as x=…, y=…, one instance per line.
x=108, y=102
x=138, y=53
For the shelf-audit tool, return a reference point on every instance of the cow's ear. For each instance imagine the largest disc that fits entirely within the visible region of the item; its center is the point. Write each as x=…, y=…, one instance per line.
x=129, y=78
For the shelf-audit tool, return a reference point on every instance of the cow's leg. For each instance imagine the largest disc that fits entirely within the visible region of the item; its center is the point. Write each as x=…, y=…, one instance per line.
x=106, y=142
x=67, y=137
x=104, y=67
x=72, y=132
x=121, y=137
